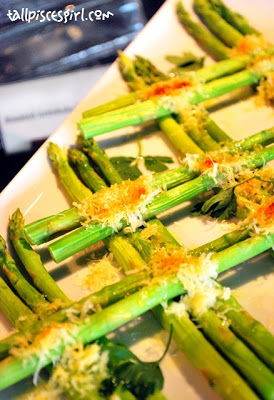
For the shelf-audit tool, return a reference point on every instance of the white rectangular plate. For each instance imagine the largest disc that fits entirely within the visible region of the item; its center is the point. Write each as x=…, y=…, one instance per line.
x=36, y=191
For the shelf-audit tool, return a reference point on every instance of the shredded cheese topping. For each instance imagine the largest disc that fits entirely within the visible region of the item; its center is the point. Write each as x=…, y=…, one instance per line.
x=99, y=274
x=223, y=166
x=197, y=275
x=262, y=219
x=51, y=337
x=255, y=198
x=80, y=370
x=125, y=201
x=249, y=44
x=78, y=373
x=193, y=117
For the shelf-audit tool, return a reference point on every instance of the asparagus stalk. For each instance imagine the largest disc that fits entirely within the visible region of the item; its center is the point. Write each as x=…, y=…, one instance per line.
x=261, y=384
x=248, y=329
x=215, y=131
x=76, y=189
x=88, y=175
x=35, y=300
x=148, y=71
x=197, y=133
x=205, y=74
x=202, y=355
x=177, y=136
x=223, y=242
x=174, y=132
x=264, y=138
x=208, y=41
x=258, y=375
x=83, y=237
x=234, y=19
x=219, y=333
x=103, y=298
x=127, y=67
x=241, y=322
x=32, y=260
x=95, y=153
x=152, y=109
x=42, y=230
x=224, y=31
x=13, y=308
x=92, y=327
x=120, y=102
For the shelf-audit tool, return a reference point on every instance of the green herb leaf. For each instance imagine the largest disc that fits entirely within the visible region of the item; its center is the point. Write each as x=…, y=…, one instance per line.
x=127, y=167
x=128, y=371
x=157, y=163
x=221, y=205
x=187, y=62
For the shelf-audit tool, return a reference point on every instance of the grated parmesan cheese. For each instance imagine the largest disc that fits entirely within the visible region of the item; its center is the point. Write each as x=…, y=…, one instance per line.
x=262, y=219
x=51, y=337
x=250, y=44
x=99, y=274
x=125, y=201
x=197, y=275
x=81, y=370
x=224, y=166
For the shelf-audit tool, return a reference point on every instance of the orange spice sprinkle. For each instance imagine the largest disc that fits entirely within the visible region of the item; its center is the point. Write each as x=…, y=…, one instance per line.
x=168, y=260
x=111, y=204
x=264, y=215
x=167, y=88
x=248, y=44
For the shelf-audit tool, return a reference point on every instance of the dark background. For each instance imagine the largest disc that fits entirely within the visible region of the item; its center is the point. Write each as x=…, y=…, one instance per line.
x=11, y=164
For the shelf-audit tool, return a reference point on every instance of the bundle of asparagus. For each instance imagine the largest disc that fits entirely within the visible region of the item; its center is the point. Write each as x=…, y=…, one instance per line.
x=56, y=329
x=115, y=245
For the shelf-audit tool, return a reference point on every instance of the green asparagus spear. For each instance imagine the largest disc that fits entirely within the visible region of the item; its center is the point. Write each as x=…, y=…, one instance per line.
x=177, y=136
x=42, y=230
x=35, y=300
x=13, y=308
x=88, y=175
x=85, y=236
x=174, y=132
x=208, y=41
x=248, y=329
x=195, y=129
x=153, y=109
x=132, y=78
x=103, y=298
x=234, y=19
x=32, y=260
x=95, y=153
x=261, y=340
x=15, y=368
x=225, y=32
x=77, y=191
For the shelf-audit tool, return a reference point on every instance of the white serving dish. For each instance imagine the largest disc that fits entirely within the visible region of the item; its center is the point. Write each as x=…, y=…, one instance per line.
x=36, y=190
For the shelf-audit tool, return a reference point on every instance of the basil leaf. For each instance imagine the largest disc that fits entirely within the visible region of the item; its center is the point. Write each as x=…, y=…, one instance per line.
x=157, y=163
x=126, y=167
